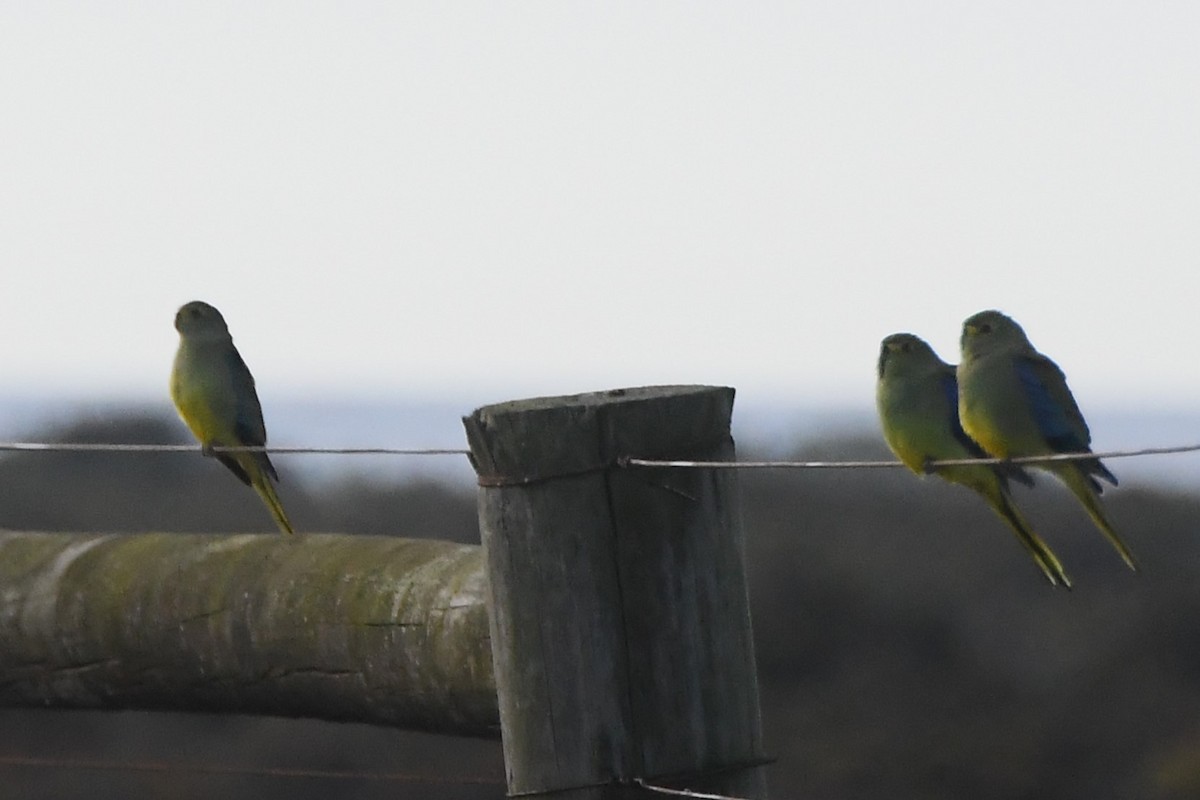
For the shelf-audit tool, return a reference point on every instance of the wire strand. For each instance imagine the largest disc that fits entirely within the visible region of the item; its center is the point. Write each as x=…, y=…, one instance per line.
x=932, y=465
x=624, y=461
x=89, y=447
x=650, y=787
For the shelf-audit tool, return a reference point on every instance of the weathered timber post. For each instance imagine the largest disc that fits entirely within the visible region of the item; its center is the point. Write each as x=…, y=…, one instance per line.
x=620, y=621
x=371, y=629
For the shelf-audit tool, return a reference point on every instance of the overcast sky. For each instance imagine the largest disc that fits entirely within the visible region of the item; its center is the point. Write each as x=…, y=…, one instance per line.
x=445, y=199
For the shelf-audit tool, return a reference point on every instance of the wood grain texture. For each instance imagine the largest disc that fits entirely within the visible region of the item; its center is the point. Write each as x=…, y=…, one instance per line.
x=353, y=628
x=620, y=619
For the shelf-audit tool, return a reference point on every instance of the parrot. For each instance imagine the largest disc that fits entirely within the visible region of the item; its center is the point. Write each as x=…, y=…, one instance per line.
x=214, y=393
x=1015, y=402
x=917, y=399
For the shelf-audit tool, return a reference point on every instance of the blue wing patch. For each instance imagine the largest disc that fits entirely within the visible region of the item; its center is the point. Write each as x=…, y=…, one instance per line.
x=1052, y=418
x=1057, y=415
x=950, y=390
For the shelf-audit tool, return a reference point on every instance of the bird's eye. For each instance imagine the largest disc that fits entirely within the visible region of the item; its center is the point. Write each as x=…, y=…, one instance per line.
x=906, y=347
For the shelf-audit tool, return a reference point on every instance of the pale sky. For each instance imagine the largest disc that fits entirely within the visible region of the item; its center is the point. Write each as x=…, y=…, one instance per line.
x=507, y=199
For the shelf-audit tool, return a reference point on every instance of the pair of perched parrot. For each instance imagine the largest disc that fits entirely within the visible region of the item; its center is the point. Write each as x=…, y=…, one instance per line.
x=1004, y=400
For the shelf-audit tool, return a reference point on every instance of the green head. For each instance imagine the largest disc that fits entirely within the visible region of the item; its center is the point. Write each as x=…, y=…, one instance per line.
x=199, y=319
x=901, y=352
x=990, y=330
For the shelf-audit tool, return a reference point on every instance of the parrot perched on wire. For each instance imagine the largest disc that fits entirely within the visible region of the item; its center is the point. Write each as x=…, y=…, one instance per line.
x=1015, y=402
x=213, y=391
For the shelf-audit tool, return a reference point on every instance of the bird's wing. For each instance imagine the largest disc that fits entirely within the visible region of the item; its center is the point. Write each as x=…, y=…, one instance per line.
x=950, y=390
x=248, y=421
x=1057, y=414
x=1053, y=407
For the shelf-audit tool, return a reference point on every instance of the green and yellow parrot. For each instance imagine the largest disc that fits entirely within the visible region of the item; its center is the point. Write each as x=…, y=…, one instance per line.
x=213, y=391
x=1015, y=402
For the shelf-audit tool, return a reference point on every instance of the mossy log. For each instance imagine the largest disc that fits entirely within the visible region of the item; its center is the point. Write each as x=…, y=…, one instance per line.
x=365, y=629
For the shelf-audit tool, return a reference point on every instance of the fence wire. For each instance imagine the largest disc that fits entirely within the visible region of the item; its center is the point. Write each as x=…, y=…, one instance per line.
x=623, y=461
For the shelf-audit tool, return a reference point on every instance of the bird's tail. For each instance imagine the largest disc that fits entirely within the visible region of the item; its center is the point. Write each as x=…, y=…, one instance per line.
x=266, y=490
x=1043, y=556
x=1081, y=487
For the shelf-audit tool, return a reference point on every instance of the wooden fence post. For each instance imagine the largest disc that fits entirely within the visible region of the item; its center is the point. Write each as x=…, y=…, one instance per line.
x=620, y=621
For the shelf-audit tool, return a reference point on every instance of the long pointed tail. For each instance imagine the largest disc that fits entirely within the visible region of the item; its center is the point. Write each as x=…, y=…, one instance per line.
x=1043, y=556
x=266, y=490
x=1079, y=485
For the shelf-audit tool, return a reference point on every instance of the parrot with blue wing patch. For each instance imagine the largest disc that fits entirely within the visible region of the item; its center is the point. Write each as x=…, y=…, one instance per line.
x=1014, y=402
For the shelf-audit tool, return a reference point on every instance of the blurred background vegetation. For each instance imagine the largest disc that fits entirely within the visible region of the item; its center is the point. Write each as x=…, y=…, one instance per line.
x=907, y=647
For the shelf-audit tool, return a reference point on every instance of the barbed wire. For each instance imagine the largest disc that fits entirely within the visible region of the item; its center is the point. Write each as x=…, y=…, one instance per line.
x=623, y=461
